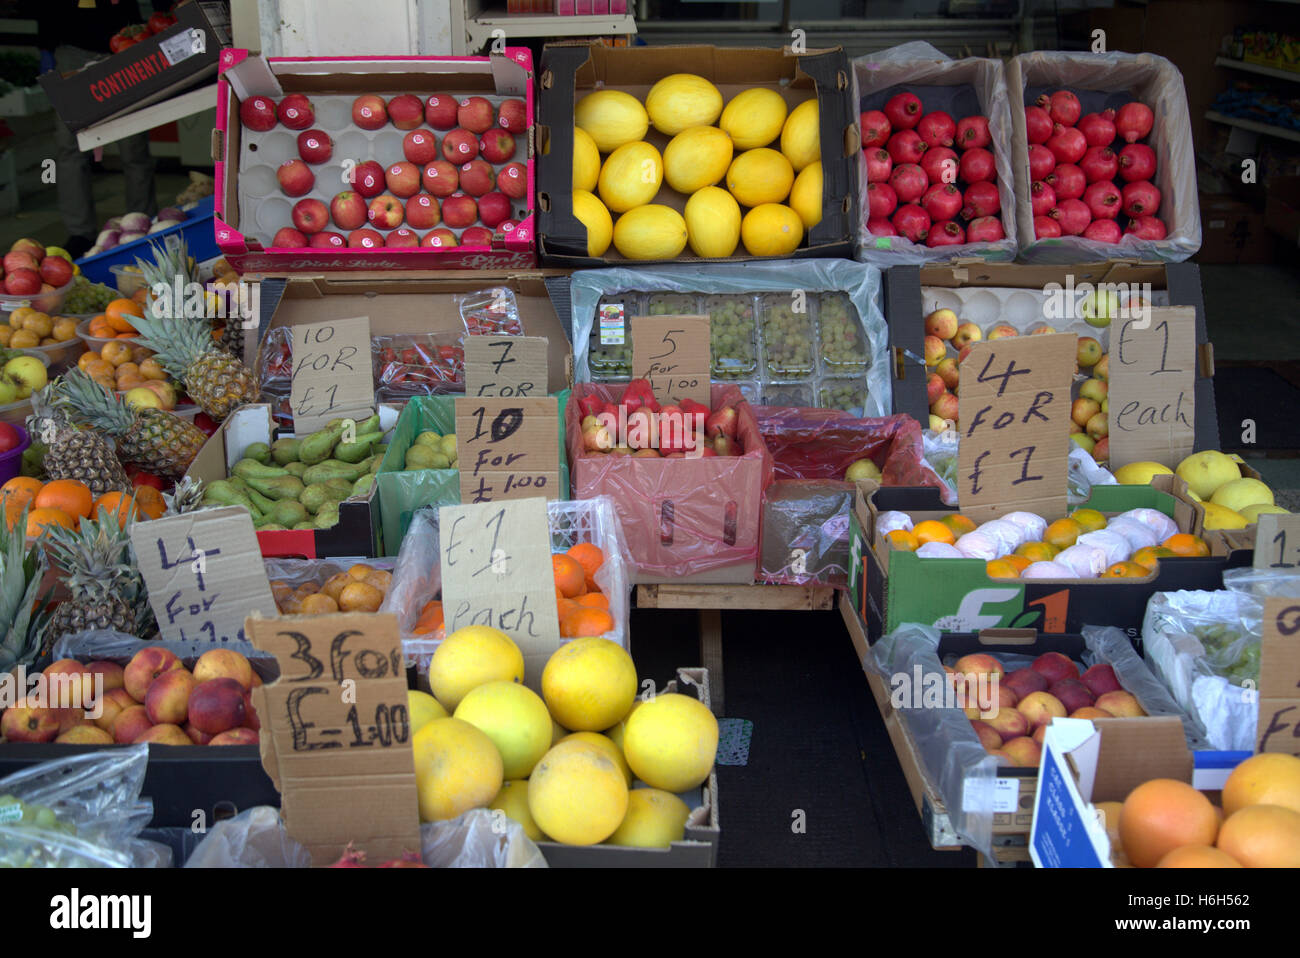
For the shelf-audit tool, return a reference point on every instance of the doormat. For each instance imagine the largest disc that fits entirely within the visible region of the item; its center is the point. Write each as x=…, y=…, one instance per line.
x=733, y=741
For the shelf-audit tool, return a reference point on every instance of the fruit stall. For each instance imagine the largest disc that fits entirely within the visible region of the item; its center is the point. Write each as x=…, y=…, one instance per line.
x=360, y=514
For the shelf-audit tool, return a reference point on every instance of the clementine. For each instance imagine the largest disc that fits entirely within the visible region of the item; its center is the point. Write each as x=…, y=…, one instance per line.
x=150, y=501
x=70, y=495
x=39, y=519
x=584, y=622
x=594, y=600
x=1062, y=533
x=1186, y=544
x=570, y=578
x=932, y=530
x=902, y=539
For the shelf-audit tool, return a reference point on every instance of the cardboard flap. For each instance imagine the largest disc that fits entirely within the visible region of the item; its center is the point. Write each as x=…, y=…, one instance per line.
x=1279, y=673
x=1008, y=636
x=1136, y=750
x=253, y=77
x=1277, y=542
x=1152, y=386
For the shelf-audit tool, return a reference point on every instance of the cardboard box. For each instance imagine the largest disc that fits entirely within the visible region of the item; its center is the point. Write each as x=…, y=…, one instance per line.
x=154, y=69
x=569, y=71
x=912, y=292
x=699, y=849
x=251, y=209
x=1282, y=207
x=1233, y=232
x=889, y=587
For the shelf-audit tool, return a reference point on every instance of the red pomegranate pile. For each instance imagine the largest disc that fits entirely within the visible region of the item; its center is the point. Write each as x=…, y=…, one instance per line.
x=1090, y=175
x=930, y=178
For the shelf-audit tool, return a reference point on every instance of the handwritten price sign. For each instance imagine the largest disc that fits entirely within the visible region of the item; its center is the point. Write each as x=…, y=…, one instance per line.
x=204, y=573
x=1279, y=677
x=1152, y=387
x=672, y=352
x=1014, y=407
x=1277, y=542
x=509, y=448
x=513, y=366
x=332, y=378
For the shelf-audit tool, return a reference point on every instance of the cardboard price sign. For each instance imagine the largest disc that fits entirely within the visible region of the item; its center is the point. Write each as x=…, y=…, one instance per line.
x=336, y=733
x=204, y=573
x=1014, y=407
x=1279, y=677
x=505, y=366
x=332, y=378
x=1152, y=387
x=508, y=448
x=1277, y=542
x=673, y=353
x=496, y=570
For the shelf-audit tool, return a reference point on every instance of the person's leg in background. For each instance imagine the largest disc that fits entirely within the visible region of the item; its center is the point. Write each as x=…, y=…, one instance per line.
x=138, y=170
x=72, y=172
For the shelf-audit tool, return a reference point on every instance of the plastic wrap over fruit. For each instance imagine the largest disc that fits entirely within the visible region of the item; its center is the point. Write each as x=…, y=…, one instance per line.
x=417, y=364
x=479, y=838
x=110, y=646
x=806, y=533
x=255, y=838
x=960, y=88
x=892, y=521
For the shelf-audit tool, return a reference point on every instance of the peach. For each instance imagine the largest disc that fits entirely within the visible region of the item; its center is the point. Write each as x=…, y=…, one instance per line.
x=1073, y=694
x=1090, y=712
x=236, y=736
x=85, y=735
x=114, y=674
x=1120, y=705
x=1009, y=723
x=145, y=666
x=1041, y=707
x=1101, y=679
x=23, y=723
x=978, y=664
x=165, y=734
x=1024, y=752
x=1024, y=681
x=987, y=735
x=130, y=724
x=217, y=705
x=68, y=684
x=197, y=737
x=114, y=702
x=169, y=696
x=1054, y=666
x=224, y=663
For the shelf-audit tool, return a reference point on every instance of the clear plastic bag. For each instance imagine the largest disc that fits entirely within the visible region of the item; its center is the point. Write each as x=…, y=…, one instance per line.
x=107, y=645
x=275, y=360
x=961, y=88
x=479, y=838
x=491, y=312
x=316, y=572
x=941, y=456
x=1103, y=80
x=417, y=364
x=255, y=838
x=806, y=533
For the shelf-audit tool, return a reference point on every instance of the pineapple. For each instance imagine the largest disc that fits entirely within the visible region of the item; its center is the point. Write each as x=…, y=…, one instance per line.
x=21, y=573
x=173, y=269
x=157, y=441
x=186, y=496
x=74, y=453
x=106, y=589
x=215, y=380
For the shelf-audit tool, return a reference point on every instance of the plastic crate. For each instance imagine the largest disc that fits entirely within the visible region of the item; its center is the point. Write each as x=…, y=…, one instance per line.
x=198, y=231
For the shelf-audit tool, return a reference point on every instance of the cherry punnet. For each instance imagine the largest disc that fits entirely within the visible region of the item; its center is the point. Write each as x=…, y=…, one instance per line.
x=903, y=111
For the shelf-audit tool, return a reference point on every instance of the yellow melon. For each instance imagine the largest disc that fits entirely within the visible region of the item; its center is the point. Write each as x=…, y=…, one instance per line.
x=771, y=230
x=801, y=136
x=681, y=101
x=611, y=118
x=594, y=215
x=654, y=819
x=586, y=161
x=806, y=195
x=576, y=794
x=697, y=158
x=650, y=232
x=754, y=117
x=631, y=176
x=456, y=768
x=713, y=223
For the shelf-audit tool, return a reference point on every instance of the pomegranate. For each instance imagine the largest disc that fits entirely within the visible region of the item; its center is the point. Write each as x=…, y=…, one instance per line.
x=903, y=111
x=942, y=201
x=1137, y=161
x=909, y=182
x=1068, y=181
x=1134, y=121
x=1067, y=144
x=906, y=146
x=879, y=165
x=1046, y=228
x=985, y=229
x=1098, y=128
x=1038, y=124
x=1141, y=199
x=1099, y=163
x=408, y=860
x=948, y=233
x=351, y=858
x=981, y=199
x=1073, y=215
x=1042, y=198
x=1146, y=227
x=1062, y=106
x=1041, y=162
x=881, y=199
x=973, y=132
x=912, y=221
x=937, y=129
x=1103, y=200
x=978, y=166
x=940, y=165
x=875, y=129
x=1104, y=231
x=879, y=227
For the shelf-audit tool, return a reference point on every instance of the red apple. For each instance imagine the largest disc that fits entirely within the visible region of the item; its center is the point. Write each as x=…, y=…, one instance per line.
x=475, y=114
x=401, y=237
x=403, y=179
x=497, y=145
x=422, y=211
x=20, y=259
x=385, y=212
x=348, y=210
x=440, y=111
x=512, y=180
x=406, y=111
x=459, y=210
x=442, y=238
x=328, y=240
x=289, y=238
x=315, y=146
x=365, y=239
x=29, y=246
x=459, y=146
x=296, y=112
x=477, y=177
x=23, y=282
x=258, y=113
x=513, y=116
x=369, y=112
x=440, y=178
x=296, y=178
x=1101, y=679
x=420, y=146
x=494, y=209
x=368, y=178
x=476, y=236
x=1054, y=666
x=310, y=216
x=56, y=271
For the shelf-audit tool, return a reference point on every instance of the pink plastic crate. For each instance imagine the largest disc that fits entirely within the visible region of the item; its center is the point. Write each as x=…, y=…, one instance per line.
x=246, y=244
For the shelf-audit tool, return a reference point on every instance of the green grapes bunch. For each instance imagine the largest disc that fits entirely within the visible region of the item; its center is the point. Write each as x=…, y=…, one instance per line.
x=21, y=836
x=787, y=341
x=790, y=395
x=1219, y=641
x=850, y=396
x=88, y=297
x=841, y=338
x=671, y=304
x=731, y=336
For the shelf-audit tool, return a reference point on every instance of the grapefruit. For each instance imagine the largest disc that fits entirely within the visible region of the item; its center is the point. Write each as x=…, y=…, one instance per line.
x=650, y=232
x=1198, y=856
x=1205, y=471
x=576, y=794
x=631, y=176
x=1262, y=836
x=470, y=657
x=513, y=800
x=654, y=819
x=456, y=768
x=594, y=215
x=1269, y=778
x=806, y=195
x=1141, y=473
x=1161, y=815
x=514, y=718
x=586, y=161
x=611, y=118
x=801, y=136
x=671, y=741
x=771, y=230
x=423, y=708
x=713, y=223
x=1252, y=513
x=1237, y=494
x=606, y=745
x=754, y=117
x=1221, y=517
x=589, y=684
x=697, y=158
x=760, y=176
x=681, y=101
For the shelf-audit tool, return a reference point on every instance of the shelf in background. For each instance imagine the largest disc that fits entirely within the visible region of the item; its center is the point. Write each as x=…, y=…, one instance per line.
x=1259, y=68
x=479, y=27
x=1265, y=128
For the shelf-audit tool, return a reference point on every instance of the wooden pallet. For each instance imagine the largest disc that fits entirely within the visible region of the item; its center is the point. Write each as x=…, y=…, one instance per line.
x=712, y=600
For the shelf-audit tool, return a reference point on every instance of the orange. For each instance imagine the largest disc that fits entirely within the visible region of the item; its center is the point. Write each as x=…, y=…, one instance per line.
x=430, y=618
x=1037, y=551
x=565, y=606
x=1020, y=562
x=117, y=504
x=902, y=539
x=1198, y=856
x=38, y=519
x=959, y=524
x=99, y=327
x=1062, y=533
x=70, y=495
x=1149, y=556
x=584, y=622
x=558, y=594
x=931, y=530
x=594, y=600
x=1161, y=815
x=1270, y=778
x=23, y=484
x=119, y=313
x=1001, y=569
x=589, y=556
x=1186, y=544
x=150, y=501
x=14, y=506
x=1090, y=520
x=115, y=354
x=86, y=358
x=1262, y=836
x=1126, y=570
x=570, y=578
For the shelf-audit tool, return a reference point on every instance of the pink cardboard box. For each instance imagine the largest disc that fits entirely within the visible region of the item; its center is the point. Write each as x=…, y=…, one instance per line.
x=250, y=207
